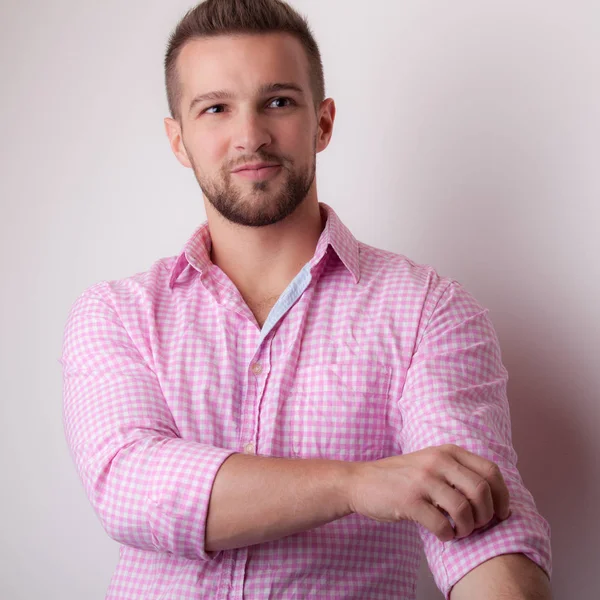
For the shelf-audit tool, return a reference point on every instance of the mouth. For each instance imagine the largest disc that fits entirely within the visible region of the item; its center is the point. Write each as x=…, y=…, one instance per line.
x=259, y=174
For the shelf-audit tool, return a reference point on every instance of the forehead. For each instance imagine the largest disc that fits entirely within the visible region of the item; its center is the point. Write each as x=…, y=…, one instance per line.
x=241, y=63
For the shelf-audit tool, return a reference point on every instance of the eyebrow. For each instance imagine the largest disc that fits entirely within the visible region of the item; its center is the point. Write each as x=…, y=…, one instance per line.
x=267, y=88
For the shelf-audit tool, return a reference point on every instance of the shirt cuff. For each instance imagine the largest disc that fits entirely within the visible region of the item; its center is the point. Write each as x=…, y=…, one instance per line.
x=524, y=532
x=177, y=517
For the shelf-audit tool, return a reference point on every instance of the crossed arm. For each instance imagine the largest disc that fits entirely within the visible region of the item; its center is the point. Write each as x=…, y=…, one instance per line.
x=292, y=496
x=134, y=463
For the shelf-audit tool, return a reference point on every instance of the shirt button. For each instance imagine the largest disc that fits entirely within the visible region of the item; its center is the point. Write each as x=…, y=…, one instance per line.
x=249, y=448
x=257, y=368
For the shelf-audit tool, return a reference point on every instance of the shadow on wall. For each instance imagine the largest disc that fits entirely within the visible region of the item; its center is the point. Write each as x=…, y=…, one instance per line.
x=555, y=459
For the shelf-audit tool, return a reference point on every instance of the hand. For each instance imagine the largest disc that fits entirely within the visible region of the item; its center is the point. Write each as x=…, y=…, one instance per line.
x=428, y=485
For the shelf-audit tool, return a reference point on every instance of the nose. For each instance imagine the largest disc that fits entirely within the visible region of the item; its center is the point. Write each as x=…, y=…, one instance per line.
x=251, y=132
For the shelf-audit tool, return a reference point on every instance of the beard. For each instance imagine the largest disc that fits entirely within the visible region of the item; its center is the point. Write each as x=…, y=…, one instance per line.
x=266, y=202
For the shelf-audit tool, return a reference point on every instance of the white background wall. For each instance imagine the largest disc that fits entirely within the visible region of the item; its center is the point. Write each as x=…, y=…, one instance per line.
x=467, y=137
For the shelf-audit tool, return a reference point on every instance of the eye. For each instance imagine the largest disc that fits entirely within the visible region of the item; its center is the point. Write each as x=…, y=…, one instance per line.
x=282, y=98
x=211, y=107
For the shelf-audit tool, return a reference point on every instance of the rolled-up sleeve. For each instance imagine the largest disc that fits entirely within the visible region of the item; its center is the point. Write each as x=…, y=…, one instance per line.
x=455, y=393
x=149, y=487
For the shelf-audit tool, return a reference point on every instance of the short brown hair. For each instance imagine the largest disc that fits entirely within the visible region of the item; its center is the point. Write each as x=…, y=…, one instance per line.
x=223, y=17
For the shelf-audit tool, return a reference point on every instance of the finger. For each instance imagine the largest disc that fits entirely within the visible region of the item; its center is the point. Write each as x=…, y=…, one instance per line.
x=457, y=506
x=491, y=473
x=434, y=520
x=474, y=487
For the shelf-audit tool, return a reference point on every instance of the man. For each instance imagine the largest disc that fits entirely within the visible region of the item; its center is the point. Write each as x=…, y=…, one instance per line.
x=282, y=411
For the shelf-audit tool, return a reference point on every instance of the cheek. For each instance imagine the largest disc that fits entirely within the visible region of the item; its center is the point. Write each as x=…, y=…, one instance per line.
x=208, y=160
x=206, y=146
x=306, y=140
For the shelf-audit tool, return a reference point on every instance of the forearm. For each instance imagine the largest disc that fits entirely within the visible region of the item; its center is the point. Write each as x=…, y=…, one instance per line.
x=505, y=577
x=257, y=499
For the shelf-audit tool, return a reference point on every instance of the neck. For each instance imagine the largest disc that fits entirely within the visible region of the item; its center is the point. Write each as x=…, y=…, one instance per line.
x=262, y=261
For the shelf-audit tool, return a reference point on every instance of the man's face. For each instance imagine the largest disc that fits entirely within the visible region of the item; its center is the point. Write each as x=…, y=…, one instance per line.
x=250, y=125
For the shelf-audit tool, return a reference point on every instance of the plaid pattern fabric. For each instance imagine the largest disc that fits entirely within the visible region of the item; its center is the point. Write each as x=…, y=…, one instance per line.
x=366, y=354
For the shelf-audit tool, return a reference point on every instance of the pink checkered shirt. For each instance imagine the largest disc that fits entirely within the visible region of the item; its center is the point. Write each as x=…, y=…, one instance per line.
x=366, y=355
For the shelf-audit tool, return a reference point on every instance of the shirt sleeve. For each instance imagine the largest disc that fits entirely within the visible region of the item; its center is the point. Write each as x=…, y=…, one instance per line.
x=149, y=487
x=455, y=393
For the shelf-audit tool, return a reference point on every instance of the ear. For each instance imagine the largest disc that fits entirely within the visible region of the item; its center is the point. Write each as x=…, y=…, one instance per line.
x=325, y=126
x=173, y=130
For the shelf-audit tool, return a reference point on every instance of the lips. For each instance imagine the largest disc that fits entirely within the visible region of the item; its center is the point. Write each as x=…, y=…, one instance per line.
x=259, y=174
x=256, y=167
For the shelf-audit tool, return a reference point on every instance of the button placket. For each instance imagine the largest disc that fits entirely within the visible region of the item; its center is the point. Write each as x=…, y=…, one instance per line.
x=259, y=368
x=256, y=368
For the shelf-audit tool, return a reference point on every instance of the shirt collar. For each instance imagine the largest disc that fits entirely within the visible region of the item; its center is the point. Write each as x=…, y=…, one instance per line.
x=196, y=251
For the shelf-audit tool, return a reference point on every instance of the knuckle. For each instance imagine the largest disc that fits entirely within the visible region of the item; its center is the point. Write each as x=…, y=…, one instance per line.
x=423, y=478
x=494, y=471
x=446, y=448
x=453, y=448
x=482, y=489
x=427, y=461
x=435, y=457
x=428, y=455
x=464, y=508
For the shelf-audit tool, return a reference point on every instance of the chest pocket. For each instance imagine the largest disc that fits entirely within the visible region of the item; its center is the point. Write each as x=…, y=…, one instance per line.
x=338, y=411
